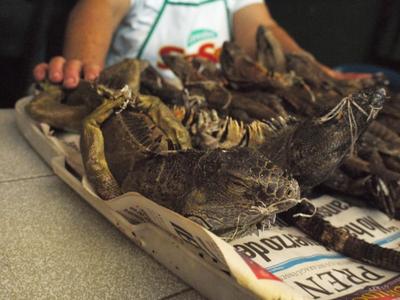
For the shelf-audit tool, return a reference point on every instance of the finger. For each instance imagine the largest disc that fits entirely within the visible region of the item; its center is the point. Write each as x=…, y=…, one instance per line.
x=91, y=71
x=356, y=75
x=72, y=72
x=337, y=75
x=328, y=71
x=56, y=67
x=40, y=70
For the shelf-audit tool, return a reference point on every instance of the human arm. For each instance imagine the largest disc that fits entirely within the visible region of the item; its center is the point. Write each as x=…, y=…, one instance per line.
x=245, y=23
x=88, y=36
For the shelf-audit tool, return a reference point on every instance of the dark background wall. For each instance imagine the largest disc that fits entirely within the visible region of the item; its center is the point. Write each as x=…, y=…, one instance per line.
x=344, y=31
x=31, y=31
x=335, y=31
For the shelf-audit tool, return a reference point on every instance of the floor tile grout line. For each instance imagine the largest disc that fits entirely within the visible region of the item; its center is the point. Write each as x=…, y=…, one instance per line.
x=176, y=294
x=26, y=178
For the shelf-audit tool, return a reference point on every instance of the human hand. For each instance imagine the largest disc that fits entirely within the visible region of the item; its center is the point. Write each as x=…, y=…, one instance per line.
x=68, y=72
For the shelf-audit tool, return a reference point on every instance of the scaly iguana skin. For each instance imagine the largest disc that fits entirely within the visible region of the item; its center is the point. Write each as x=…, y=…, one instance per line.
x=126, y=151
x=302, y=148
x=340, y=240
x=63, y=109
x=373, y=173
x=66, y=109
x=224, y=190
x=313, y=148
x=310, y=149
x=235, y=189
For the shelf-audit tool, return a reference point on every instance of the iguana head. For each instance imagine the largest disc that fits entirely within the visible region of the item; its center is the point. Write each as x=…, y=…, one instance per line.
x=236, y=189
x=318, y=146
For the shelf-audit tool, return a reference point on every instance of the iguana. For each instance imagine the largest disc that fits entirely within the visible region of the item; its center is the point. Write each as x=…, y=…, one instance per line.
x=235, y=189
x=310, y=150
x=130, y=142
x=298, y=145
x=300, y=88
x=66, y=109
x=373, y=172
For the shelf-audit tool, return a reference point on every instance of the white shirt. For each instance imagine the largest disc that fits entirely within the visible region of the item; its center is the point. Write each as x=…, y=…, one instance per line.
x=136, y=26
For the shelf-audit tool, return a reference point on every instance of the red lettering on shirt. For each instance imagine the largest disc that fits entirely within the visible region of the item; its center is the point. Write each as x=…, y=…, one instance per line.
x=207, y=51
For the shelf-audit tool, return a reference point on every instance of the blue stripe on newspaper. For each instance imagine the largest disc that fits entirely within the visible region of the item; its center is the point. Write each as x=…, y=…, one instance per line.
x=388, y=239
x=297, y=261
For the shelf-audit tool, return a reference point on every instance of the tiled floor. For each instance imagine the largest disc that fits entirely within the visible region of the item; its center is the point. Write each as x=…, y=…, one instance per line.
x=54, y=245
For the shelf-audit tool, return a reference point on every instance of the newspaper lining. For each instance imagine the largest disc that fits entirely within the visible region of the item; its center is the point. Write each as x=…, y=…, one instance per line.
x=320, y=273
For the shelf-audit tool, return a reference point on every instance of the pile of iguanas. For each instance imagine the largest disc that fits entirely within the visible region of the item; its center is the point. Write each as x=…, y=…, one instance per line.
x=233, y=146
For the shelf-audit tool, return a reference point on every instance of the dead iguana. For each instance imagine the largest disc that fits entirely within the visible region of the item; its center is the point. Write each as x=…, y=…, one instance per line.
x=297, y=145
x=62, y=108
x=311, y=150
x=135, y=150
x=300, y=87
x=373, y=172
x=130, y=150
x=280, y=142
x=239, y=188
x=133, y=142
x=66, y=109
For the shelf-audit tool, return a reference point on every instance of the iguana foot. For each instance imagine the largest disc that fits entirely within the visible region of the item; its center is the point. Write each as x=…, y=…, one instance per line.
x=48, y=107
x=165, y=119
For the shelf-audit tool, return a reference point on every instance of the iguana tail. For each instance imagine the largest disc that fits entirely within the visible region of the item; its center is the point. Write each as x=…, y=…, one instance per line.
x=340, y=240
